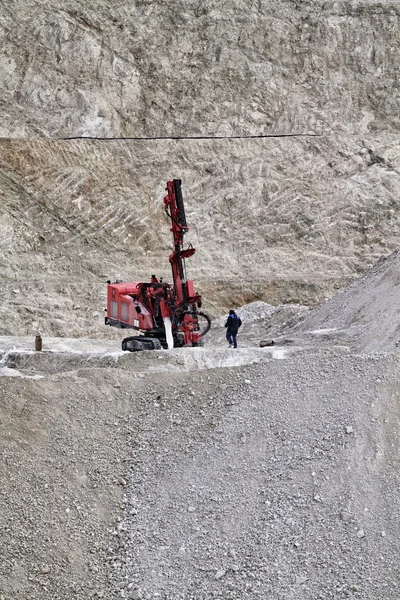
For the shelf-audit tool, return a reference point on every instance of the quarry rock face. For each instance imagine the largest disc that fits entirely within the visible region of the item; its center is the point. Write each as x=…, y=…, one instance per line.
x=289, y=218
x=282, y=220
x=146, y=68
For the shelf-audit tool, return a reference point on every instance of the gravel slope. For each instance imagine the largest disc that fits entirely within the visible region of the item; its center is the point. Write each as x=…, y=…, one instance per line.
x=272, y=481
x=277, y=479
x=364, y=315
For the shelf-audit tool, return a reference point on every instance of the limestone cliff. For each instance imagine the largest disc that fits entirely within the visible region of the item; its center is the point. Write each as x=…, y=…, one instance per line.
x=284, y=218
x=150, y=68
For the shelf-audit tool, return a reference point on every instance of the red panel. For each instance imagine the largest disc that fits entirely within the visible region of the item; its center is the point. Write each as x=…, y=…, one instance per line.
x=190, y=288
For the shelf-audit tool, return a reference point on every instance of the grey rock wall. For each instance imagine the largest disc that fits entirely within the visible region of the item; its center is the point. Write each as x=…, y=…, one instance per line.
x=286, y=218
x=149, y=68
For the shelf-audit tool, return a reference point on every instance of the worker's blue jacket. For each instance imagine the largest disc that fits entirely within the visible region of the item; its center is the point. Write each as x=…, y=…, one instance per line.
x=233, y=323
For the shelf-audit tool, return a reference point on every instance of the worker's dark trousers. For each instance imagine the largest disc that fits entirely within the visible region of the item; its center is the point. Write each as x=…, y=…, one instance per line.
x=231, y=337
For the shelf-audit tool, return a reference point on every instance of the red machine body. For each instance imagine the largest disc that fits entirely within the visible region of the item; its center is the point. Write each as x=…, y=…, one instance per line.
x=167, y=313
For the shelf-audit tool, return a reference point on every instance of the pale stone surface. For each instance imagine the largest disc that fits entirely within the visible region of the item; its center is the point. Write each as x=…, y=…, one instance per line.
x=103, y=453
x=287, y=219
x=150, y=68
x=282, y=219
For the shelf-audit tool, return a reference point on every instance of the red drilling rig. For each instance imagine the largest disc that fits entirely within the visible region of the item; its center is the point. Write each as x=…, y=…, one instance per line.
x=168, y=314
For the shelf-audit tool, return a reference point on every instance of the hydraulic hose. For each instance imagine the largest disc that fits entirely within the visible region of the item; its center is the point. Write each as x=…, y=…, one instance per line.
x=201, y=314
x=207, y=328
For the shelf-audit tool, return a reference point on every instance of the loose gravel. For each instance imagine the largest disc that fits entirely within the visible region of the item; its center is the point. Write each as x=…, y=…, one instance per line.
x=270, y=481
x=277, y=479
x=203, y=473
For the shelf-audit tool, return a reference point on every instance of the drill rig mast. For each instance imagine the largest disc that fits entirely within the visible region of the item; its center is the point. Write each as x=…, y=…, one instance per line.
x=167, y=313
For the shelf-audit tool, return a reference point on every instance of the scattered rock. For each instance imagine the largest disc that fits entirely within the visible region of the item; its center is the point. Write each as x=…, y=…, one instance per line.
x=360, y=533
x=219, y=574
x=45, y=570
x=345, y=516
x=265, y=343
x=251, y=500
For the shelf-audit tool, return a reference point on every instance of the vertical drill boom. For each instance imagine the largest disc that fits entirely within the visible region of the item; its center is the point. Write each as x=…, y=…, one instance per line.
x=173, y=202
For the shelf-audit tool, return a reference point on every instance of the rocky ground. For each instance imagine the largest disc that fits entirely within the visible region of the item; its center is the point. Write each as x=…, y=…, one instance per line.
x=207, y=472
x=266, y=481
x=152, y=480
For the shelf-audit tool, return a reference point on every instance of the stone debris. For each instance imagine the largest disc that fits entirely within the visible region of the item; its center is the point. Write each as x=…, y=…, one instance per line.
x=265, y=343
x=220, y=573
x=236, y=484
x=345, y=516
x=45, y=570
x=360, y=533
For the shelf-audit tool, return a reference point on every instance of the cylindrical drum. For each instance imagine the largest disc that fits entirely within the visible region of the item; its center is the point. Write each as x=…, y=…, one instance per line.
x=38, y=342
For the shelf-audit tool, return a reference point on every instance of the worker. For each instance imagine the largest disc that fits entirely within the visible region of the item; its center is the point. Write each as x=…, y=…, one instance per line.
x=232, y=324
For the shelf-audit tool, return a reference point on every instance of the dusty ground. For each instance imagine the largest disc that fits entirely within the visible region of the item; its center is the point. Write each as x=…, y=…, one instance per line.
x=202, y=473
x=276, y=480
